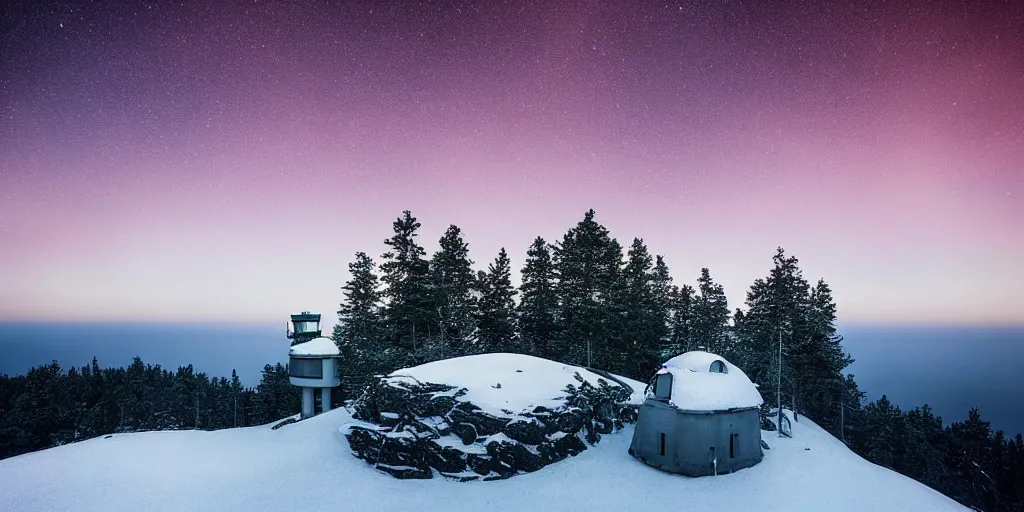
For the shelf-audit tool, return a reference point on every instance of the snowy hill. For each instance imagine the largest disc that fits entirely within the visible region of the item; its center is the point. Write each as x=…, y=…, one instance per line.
x=309, y=466
x=489, y=416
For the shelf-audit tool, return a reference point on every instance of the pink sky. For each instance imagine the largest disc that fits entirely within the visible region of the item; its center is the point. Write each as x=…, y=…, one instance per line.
x=216, y=163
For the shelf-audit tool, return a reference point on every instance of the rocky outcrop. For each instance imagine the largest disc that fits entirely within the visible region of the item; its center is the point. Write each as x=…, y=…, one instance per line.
x=417, y=429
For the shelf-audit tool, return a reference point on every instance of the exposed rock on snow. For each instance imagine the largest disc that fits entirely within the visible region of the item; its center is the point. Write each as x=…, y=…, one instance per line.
x=489, y=416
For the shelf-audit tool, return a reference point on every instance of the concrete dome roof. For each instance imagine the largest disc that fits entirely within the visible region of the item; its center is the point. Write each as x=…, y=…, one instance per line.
x=697, y=387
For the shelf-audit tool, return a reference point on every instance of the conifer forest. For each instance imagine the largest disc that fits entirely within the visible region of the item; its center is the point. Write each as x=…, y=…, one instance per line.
x=586, y=300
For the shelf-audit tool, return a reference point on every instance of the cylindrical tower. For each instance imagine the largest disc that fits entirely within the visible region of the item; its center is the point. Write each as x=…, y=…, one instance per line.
x=312, y=362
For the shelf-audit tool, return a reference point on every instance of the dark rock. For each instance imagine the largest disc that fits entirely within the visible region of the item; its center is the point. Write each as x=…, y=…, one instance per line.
x=485, y=424
x=413, y=414
x=568, y=445
x=460, y=477
x=526, y=430
x=511, y=457
x=479, y=464
x=445, y=459
x=365, y=443
x=570, y=421
x=407, y=472
x=466, y=432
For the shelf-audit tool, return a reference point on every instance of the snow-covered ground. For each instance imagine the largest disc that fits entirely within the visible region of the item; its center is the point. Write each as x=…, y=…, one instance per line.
x=308, y=466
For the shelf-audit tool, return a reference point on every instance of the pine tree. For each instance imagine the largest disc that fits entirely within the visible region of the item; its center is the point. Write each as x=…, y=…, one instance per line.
x=680, y=322
x=587, y=263
x=818, y=358
x=710, y=315
x=451, y=285
x=968, y=458
x=496, y=319
x=641, y=312
x=776, y=307
x=359, y=334
x=886, y=441
x=923, y=459
x=538, y=305
x=407, y=314
x=276, y=398
x=662, y=310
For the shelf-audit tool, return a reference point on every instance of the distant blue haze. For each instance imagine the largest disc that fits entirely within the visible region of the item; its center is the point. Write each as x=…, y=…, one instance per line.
x=950, y=368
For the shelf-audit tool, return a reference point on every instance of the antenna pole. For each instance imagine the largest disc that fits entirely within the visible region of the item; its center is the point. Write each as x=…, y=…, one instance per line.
x=778, y=387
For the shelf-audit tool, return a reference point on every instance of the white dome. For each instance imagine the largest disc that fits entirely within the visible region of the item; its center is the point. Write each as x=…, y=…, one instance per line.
x=696, y=387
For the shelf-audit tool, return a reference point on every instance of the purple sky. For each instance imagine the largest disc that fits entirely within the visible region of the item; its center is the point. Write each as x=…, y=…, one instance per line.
x=224, y=160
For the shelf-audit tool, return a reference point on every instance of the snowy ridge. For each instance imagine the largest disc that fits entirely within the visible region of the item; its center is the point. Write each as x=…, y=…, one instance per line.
x=307, y=466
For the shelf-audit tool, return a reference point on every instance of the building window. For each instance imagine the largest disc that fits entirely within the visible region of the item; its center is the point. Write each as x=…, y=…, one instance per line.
x=662, y=443
x=719, y=367
x=733, y=441
x=306, y=368
x=663, y=385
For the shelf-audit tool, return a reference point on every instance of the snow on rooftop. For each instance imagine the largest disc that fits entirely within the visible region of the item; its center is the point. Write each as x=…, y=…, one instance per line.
x=507, y=382
x=316, y=347
x=696, y=388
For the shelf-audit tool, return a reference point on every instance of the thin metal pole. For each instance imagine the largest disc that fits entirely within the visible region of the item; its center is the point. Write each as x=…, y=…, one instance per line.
x=778, y=386
x=842, y=419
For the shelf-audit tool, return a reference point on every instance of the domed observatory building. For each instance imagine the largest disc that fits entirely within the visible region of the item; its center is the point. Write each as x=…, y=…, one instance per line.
x=312, y=362
x=700, y=418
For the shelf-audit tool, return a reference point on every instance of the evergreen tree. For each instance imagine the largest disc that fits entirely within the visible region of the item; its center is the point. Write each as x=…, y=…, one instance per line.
x=641, y=314
x=680, y=322
x=452, y=282
x=710, y=315
x=358, y=333
x=496, y=319
x=407, y=313
x=587, y=262
x=777, y=308
x=538, y=306
x=923, y=460
x=968, y=458
x=886, y=443
x=818, y=358
x=276, y=398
